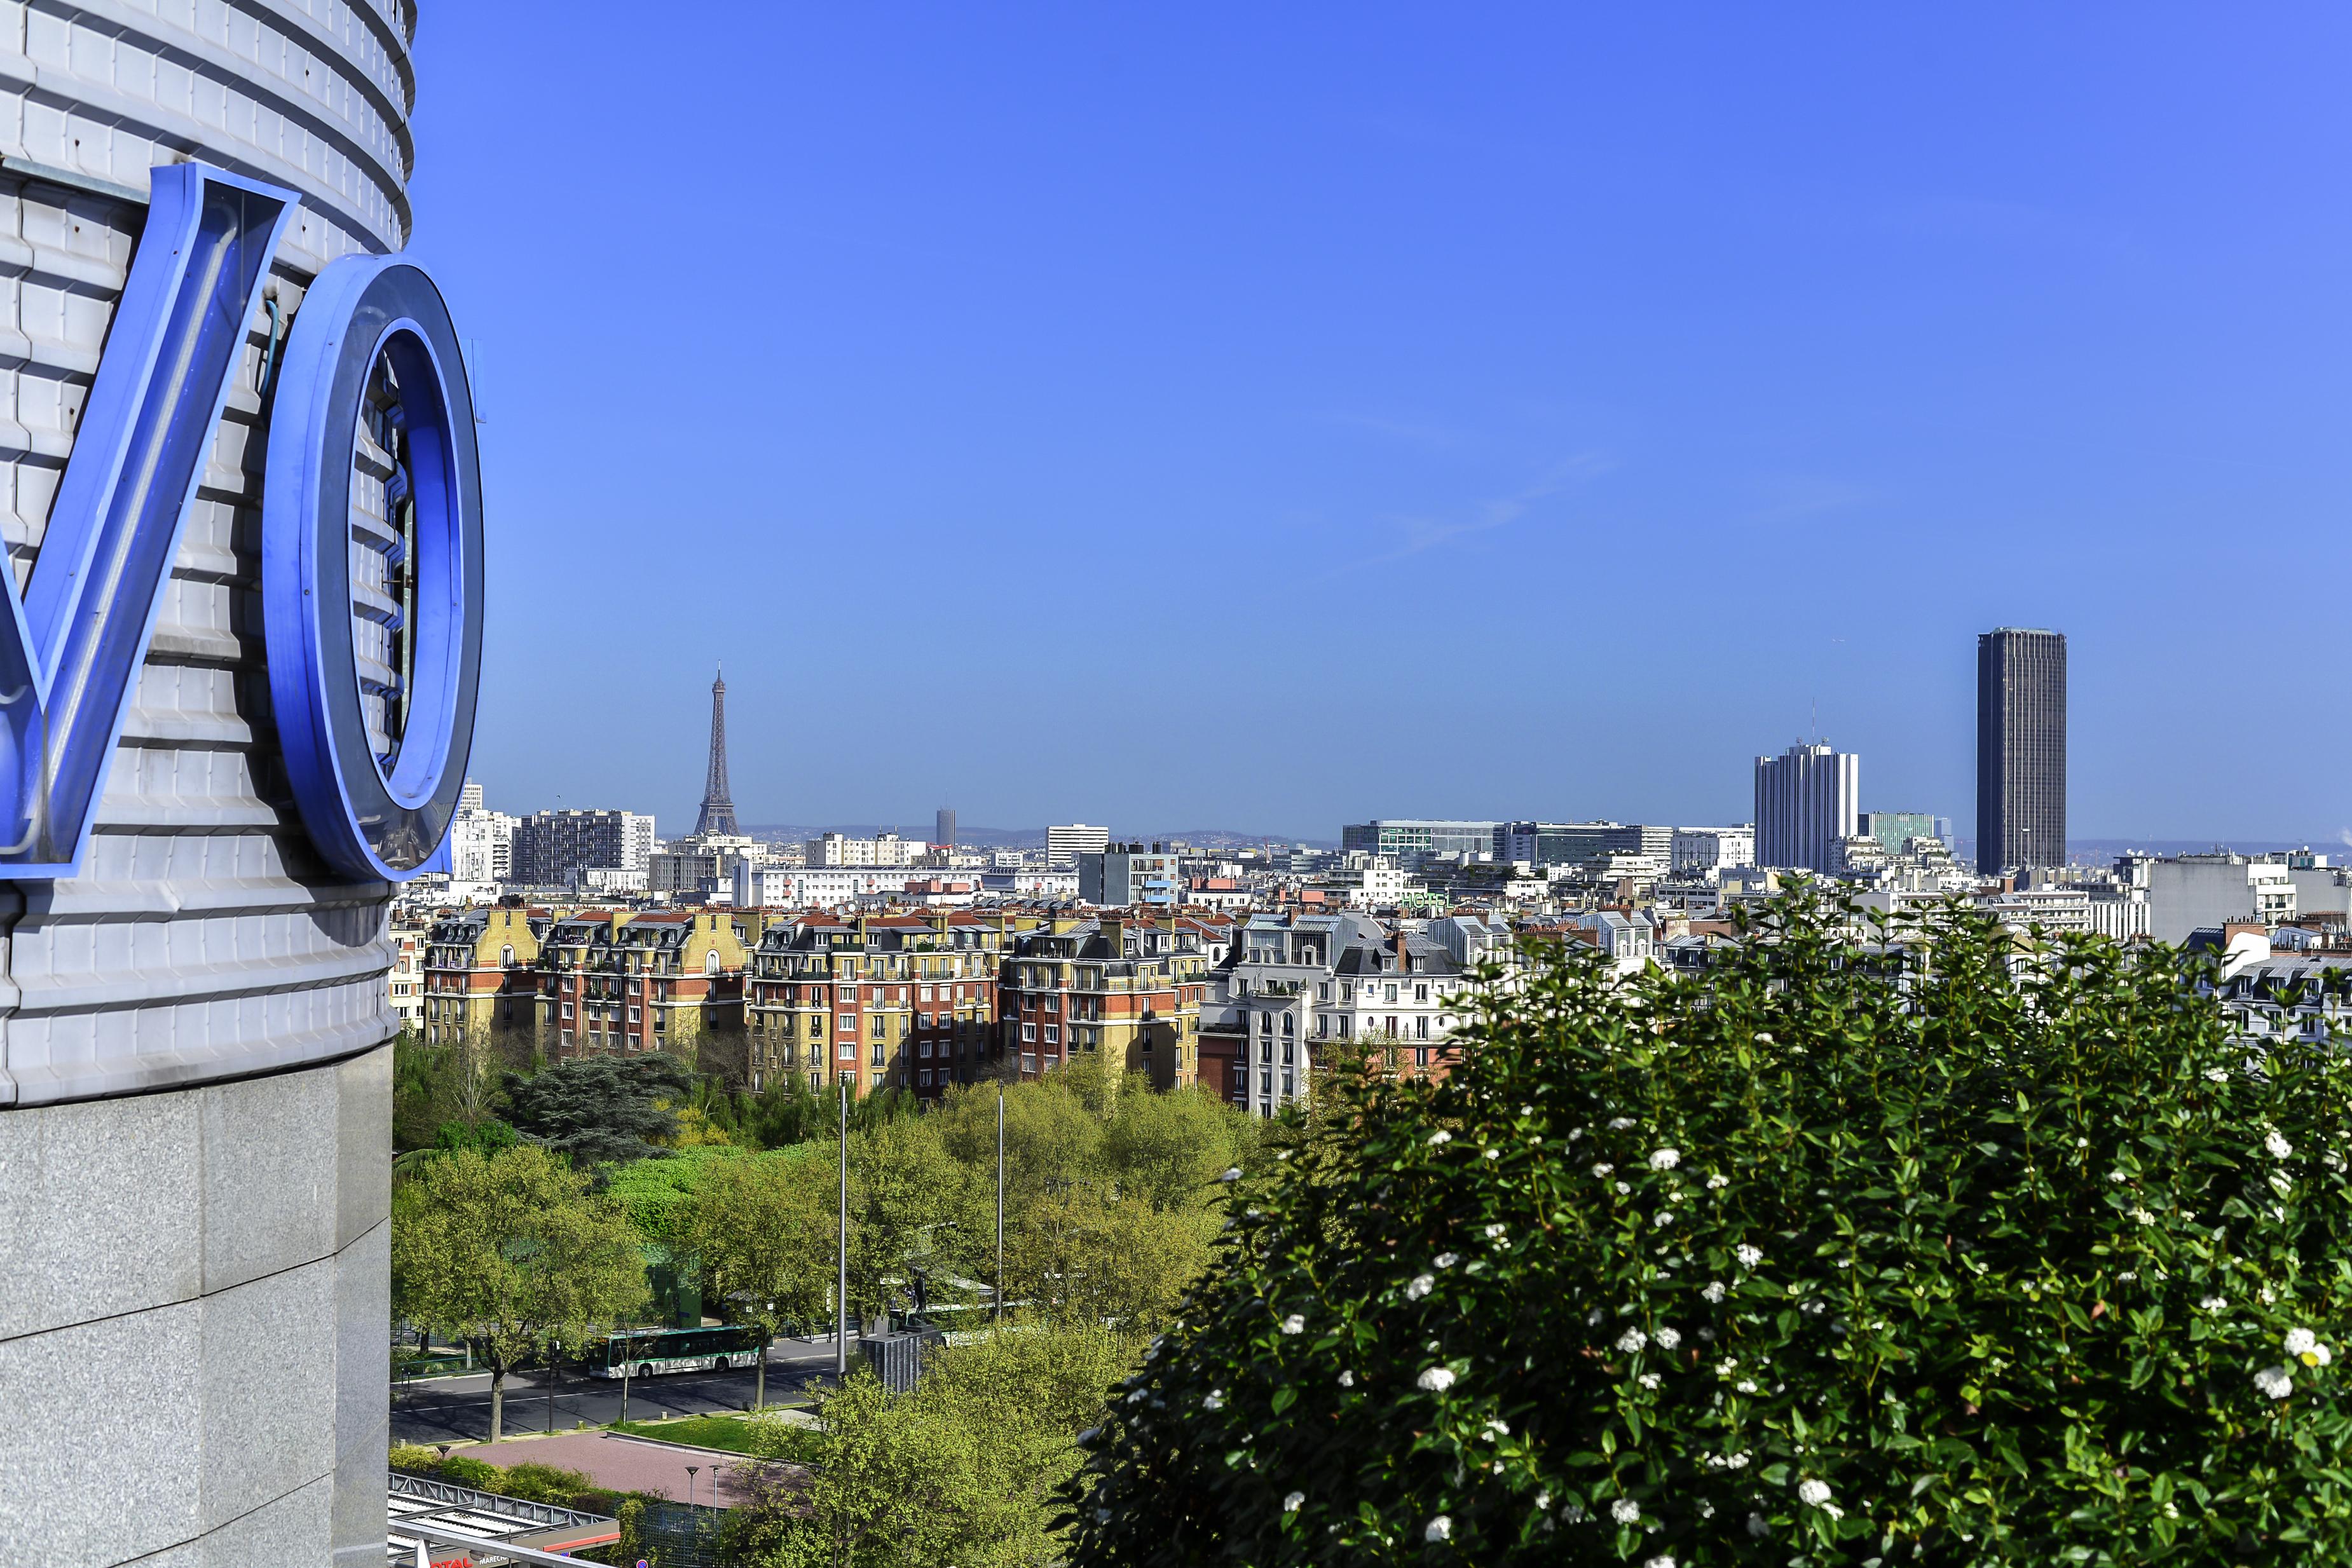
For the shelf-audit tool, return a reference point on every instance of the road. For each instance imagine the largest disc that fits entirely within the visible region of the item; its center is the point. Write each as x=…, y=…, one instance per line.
x=457, y=1409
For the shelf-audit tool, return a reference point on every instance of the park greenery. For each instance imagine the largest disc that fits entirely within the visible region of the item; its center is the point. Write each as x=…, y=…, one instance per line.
x=963, y=1469
x=512, y=1251
x=1938, y=1244
x=1111, y=1201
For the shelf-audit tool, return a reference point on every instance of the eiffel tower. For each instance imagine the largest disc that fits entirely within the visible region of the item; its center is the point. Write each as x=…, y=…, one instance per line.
x=718, y=808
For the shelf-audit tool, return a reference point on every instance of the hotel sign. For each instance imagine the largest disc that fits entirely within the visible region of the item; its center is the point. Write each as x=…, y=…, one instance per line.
x=372, y=539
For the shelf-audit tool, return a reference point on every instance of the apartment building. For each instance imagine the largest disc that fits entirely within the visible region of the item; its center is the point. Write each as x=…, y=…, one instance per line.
x=1128, y=988
x=669, y=981
x=836, y=850
x=1293, y=984
x=905, y=1001
x=479, y=976
x=552, y=849
x=405, y=984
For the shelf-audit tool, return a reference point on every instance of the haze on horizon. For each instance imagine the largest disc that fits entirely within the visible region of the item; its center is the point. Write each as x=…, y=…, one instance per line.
x=1274, y=419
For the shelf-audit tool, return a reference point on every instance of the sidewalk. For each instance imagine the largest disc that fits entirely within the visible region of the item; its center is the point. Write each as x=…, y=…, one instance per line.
x=624, y=1463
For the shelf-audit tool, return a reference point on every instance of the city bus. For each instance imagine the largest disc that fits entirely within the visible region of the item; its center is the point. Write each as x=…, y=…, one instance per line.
x=645, y=1352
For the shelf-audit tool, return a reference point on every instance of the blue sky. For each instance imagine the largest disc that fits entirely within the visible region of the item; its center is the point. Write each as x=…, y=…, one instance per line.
x=1271, y=416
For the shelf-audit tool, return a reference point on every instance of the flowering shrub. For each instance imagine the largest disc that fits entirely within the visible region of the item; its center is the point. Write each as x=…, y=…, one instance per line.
x=1936, y=1252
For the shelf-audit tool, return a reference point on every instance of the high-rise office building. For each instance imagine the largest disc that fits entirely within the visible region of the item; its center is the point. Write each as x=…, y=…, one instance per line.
x=2021, y=749
x=1065, y=843
x=1893, y=830
x=1806, y=801
x=943, y=827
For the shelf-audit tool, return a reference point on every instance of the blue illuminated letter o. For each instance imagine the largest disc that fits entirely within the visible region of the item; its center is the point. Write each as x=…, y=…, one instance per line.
x=372, y=566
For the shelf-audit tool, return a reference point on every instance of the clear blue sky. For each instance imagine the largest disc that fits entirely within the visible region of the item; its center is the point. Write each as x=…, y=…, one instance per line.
x=1272, y=416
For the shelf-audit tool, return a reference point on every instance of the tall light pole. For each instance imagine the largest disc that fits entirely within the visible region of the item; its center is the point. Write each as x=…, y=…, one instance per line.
x=999, y=1207
x=841, y=1328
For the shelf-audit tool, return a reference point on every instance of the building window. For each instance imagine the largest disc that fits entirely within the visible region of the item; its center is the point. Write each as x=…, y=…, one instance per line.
x=1391, y=992
x=1421, y=1027
x=1421, y=993
x=877, y=1055
x=849, y=1052
x=1053, y=1034
x=1029, y=1033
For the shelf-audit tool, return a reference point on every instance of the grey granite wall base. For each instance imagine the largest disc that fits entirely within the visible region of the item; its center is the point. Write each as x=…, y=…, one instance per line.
x=194, y=1336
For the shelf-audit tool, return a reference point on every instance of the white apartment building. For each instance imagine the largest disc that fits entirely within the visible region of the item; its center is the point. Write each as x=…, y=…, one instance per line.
x=1064, y=844
x=1292, y=983
x=834, y=850
x=1713, y=849
x=481, y=844
x=760, y=886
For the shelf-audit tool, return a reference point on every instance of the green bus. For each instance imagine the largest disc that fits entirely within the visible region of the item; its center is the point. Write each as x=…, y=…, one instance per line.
x=642, y=1352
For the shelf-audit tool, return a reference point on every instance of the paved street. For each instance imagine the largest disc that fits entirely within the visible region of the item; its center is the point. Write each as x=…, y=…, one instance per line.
x=457, y=1409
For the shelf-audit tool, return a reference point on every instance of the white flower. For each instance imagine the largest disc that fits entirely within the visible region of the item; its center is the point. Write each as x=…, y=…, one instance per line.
x=1436, y=1380
x=1592, y=1318
x=1632, y=1340
x=1718, y=1179
x=1543, y=1503
x=1661, y=1561
x=1745, y=1386
x=1215, y=1400
x=2217, y=1075
x=1748, y=1256
x=1648, y=1380
x=2117, y=1176
x=2143, y=1216
x=2273, y=1383
x=1603, y=1169
x=1623, y=1188
x=1527, y=1110
x=1294, y=1323
x=1290, y=1504
x=1812, y=1492
x=2279, y=1148
x=1420, y=1287
x=1625, y=1511
x=1232, y=1172
x=1346, y=1380
x=1496, y=1428
x=2299, y=1341
x=2265, y=1296
x=1439, y=1529
x=1666, y=1159
x=1619, y=1123
x=1714, y=1292
x=1763, y=1039
x=1495, y=1232
x=2081, y=1143
x=1492, y=1155
x=1667, y=1338
x=1664, y=1217
x=1441, y=1136
x=2215, y=1304
x=1447, y=1260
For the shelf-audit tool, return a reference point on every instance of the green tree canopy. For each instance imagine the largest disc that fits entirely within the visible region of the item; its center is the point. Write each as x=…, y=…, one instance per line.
x=1950, y=1251
x=601, y=1108
x=963, y=1471
x=762, y=1227
x=511, y=1251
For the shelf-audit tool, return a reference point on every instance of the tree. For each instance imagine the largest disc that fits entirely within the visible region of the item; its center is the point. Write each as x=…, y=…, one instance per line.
x=512, y=1252
x=1168, y=1149
x=963, y=1469
x=601, y=1108
x=762, y=1227
x=909, y=1204
x=1925, y=1247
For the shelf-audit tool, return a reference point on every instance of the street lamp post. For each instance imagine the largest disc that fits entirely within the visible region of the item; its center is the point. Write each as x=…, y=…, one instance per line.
x=554, y=1369
x=1000, y=1208
x=840, y=1326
